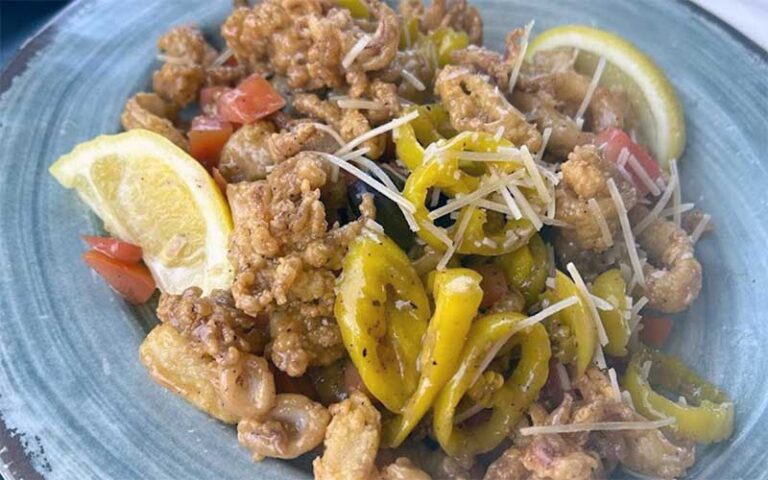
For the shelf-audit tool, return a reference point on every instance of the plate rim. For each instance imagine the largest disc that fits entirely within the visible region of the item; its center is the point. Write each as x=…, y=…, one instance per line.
x=14, y=453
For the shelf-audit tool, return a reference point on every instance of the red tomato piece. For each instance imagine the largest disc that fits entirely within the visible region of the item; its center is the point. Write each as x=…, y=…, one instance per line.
x=207, y=137
x=115, y=248
x=615, y=140
x=132, y=281
x=254, y=98
x=494, y=284
x=655, y=330
x=209, y=96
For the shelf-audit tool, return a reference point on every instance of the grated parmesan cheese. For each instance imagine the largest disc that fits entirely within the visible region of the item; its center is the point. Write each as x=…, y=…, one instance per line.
x=499, y=133
x=699, y=230
x=378, y=186
x=597, y=426
x=599, y=357
x=460, y=201
x=438, y=232
x=684, y=207
x=676, y=194
x=530, y=321
x=435, y=198
x=520, y=56
x=602, y=224
x=533, y=172
x=222, y=58
x=544, y=142
x=601, y=303
x=360, y=104
x=413, y=80
x=563, y=378
x=525, y=207
x=655, y=211
x=330, y=131
x=511, y=204
x=626, y=229
x=643, y=174
x=614, y=384
x=586, y=297
x=356, y=50
x=391, y=125
x=590, y=91
x=456, y=239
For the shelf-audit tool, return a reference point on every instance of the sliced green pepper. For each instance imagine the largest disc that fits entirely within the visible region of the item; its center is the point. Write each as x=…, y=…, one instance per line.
x=527, y=268
x=457, y=296
x=610, y=286
x=481, y=239
x=708, y=416
x=432, y=125
x=509, y=401
x=409, y=33
x=358, y=8
x=383, y=311
x=576, y=319
x=444, y=41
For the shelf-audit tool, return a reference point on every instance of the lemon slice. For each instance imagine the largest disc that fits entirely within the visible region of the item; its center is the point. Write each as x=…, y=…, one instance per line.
x=657, y=112
x=151, y=193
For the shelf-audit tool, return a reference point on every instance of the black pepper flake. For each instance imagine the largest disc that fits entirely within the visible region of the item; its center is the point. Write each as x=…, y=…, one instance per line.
x=434, y=363
x=365, y=352
x=376, y=303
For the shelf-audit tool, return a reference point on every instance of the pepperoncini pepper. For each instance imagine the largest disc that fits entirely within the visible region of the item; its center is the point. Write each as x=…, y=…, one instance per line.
x=506, y=236
x=577, y=320
x=507, y=402
x=610, y=286
x=358, y=8
x=708, y=416
x=527, y=268
x=383, y=311
x=457, y=296
x=430, y=126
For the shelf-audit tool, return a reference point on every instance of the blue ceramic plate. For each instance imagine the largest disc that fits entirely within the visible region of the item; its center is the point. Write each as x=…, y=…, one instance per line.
x=72, y=391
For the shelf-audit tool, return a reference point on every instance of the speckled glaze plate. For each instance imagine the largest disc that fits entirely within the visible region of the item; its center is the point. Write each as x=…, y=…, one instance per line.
x=74, y=399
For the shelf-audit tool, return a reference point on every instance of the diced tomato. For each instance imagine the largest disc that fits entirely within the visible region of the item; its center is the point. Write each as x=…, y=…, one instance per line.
x=253, y=99
x=131, y=280
x=615, y=140
x=209, y=96
x=115, y=248
x=207, y=137
x=494, y=284
x=655, y=330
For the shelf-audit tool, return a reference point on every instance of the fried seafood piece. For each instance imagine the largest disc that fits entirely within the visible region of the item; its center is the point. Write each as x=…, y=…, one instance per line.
x=246, y=155
x=415, y=63
x=352, y=444
x=294, y=426
x=591, y=454
x=496, y=65
x=307, y=41
x=351, y=441
x=286, y=258
x=246, y=385
x=150, y=112
x=300, y=340
x=585, y=177
x=672, y=275
x=455, y=14
x=474, y=104
x=350, y=123
x=183, y=73
x=212, y=321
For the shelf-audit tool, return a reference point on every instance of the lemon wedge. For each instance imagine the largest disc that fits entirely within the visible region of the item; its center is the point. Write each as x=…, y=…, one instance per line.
x=657, y=112
x=149, y=192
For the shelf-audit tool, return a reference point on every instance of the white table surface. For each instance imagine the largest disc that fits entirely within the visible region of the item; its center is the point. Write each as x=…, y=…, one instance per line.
x=750, y=17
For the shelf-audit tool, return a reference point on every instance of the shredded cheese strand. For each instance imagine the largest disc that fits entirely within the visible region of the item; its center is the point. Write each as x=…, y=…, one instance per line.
x=520, y=56
x=699, y=230
x=222, y=58
x=663, y=200
x=684, y=207
x=525, y=206
x=544, y=142
x=676, y=194
x=530, y=321
x=597, y=426
x=586, y=297
x=381, y=188
x=590, y=91
x=533, y=172
x=413, y=80
x=626, y=230
x=460, y=201
x=356, y=50
x=614, y=384
x=378, y=131
x=457, y=239
x=643, y=174
x=330, y=131
x=605, y=232
x=438, y=232
x=513, y=207
x=601, y=303
x=563, y=378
